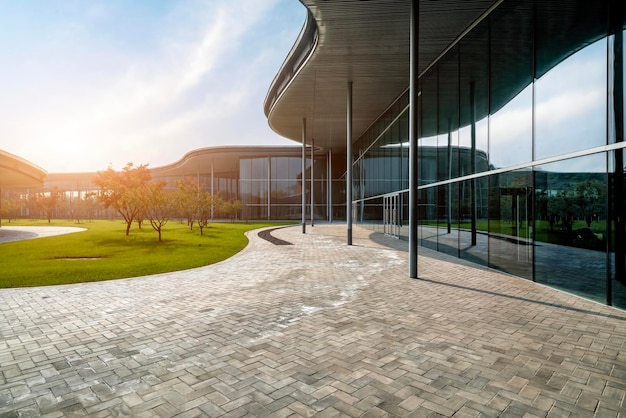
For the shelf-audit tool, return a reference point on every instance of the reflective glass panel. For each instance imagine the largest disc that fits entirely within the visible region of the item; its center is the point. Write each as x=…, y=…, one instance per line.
x=571, y=226
x=510, y=222
x=510, y=132
x=571, y=103
x=510, y=83
x=617, y=233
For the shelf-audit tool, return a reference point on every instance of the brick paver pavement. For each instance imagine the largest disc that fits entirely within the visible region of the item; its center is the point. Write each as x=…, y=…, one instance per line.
x=316, y=328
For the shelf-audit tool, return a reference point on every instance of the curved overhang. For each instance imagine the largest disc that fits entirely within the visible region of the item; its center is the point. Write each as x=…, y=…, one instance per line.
x=367, y=43
x=222, y=159
x=16, y=172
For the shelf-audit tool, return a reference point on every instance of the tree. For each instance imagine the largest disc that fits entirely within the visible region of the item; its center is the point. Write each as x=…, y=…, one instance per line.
x=590, y=199
x=10, y=207
x=187, y=194
x=82, y=207
x=207, y=204
x=158, y=206
x=91, y=205
x=123, y=190
x=48, y=202
x=232, y=209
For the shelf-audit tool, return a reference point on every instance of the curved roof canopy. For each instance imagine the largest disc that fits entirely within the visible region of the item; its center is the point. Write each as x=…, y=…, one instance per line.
x=16, y=172
x=367, y=42
x=223, y=159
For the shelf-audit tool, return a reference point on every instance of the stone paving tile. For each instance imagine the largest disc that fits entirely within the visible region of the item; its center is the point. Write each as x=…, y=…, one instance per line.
x=316, y=328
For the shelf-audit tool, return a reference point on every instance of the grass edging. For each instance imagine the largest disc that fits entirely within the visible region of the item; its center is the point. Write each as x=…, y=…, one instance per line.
x=104, y=252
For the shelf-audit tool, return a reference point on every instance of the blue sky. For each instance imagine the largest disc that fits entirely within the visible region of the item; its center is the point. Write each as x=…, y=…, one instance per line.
x=91, y=83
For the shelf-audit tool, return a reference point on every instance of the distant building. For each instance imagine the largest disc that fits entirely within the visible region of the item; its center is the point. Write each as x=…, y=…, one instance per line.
x=16, y=172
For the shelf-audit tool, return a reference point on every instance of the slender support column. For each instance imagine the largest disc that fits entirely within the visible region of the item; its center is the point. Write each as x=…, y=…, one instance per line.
x=473, y=164
x=349, y=165
x=413, y=132
x=312, y=182
x=212, y=192
x=619, y=196
x=269, y=187
x=330, y=185
x=303, y=182
x=199, y=187
x=449, y=186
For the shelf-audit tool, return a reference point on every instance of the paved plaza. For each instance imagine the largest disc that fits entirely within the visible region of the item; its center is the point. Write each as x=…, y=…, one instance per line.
x=315, y=328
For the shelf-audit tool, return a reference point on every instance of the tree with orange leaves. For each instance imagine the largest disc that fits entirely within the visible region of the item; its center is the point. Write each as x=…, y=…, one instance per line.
x=124, y=190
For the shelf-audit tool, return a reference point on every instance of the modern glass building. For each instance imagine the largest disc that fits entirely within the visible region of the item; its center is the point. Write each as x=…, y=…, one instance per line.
x=266, y=180
x=492, y=131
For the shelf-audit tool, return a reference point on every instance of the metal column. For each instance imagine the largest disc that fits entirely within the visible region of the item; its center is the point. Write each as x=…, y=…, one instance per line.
x=303, y=175
x=617, y=208
x=413, y=132
x=269, y=187
x=349, y=165
x=449, y=186
x=312, y=182
x=473, y=163
x=330, y=185
x=212, y=192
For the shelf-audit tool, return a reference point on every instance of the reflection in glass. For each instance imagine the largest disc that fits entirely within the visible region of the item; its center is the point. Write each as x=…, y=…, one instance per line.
x=510, y=222
x=570, y=104
x=617, y=237
x=510, y=131
x=510, y=83
x=571, y=226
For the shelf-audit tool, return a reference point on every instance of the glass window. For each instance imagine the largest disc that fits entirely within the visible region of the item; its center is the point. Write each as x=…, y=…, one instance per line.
x=245, y=168
x=510, y=222
x=617, y=232
x=474, y=96
x=570, y=104
x=473, y=200
x=510, y=132
x=510, y=86
x=427, y=215
x=258, y=168
x=284, y=192
x=570, y=226
x=473, y=222
x=428, y=107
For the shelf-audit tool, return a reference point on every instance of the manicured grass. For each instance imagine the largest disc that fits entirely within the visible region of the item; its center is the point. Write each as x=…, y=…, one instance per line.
x=104, y=252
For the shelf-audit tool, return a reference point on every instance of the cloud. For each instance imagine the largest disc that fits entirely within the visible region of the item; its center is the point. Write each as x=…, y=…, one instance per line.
x=200, y=82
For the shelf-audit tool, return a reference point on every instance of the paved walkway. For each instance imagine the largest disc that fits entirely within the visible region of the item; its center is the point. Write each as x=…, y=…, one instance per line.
x=19, y=233
x=316, y=328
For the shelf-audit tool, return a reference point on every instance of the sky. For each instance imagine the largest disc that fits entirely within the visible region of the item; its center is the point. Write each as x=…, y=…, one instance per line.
x=88, y=84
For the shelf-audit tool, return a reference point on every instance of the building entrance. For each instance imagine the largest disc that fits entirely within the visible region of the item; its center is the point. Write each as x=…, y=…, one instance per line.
x=392, y=219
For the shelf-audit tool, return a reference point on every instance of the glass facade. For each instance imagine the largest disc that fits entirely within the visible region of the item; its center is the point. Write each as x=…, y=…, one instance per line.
x=270, y=187
x=520, y=149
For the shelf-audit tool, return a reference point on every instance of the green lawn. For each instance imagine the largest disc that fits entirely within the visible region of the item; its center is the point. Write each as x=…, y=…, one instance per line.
x=104, y=252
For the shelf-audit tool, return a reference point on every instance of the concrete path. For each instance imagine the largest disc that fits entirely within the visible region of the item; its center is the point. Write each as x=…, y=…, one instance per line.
x=19, y=233
x=316, y=328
